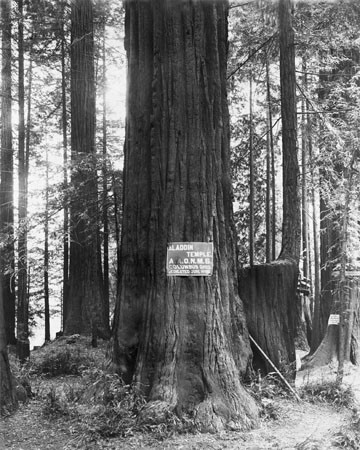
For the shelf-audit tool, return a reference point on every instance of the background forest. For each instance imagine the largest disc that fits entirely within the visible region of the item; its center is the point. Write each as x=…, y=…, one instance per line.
x=56, y=194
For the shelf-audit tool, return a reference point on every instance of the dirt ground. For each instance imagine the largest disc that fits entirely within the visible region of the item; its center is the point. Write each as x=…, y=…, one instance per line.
x=291, y=425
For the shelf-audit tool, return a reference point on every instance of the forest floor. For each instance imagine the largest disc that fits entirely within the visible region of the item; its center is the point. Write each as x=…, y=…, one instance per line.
x=327, y=417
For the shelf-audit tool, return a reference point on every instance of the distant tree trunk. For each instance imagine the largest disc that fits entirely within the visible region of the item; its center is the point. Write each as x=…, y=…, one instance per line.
x=304, y=189
x=105, y=182
x=65, y=300
x=86, y=312
x=271, y=194
x=46, y=252
x=304, y=325
x=7, y=388
x=117, y=226
x=252, y=182
x=182, y=340
x=268, y=195
x=23, y=344
x=7, y=178
x=346, y=308
x=316, y=333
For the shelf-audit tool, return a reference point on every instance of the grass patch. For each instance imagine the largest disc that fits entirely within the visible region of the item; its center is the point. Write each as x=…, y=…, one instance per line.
x=329, y=392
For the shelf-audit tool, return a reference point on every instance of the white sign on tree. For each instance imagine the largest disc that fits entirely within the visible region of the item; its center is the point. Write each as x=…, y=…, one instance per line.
x=194, y=259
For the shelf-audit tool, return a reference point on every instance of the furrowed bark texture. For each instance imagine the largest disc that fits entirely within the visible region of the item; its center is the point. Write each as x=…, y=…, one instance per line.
x=291, y=229
x=22, y=325
x=7, y=390
x=7, y=178
x=85, y=310
x=182, y=340
x=267, y=291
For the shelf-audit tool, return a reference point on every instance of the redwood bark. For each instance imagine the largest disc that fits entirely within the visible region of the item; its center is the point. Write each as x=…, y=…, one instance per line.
x=65, y=170
x=85, y=311
x=7, y=178
x=182, y=340
x=291, y=229
x=267, y=291
x=7, y=390
x=23, y=343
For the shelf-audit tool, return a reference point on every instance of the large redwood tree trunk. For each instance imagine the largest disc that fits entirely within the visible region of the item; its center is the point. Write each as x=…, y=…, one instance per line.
x=7, y=389
x=182, y=340
x=7, y=178
x=85, y=311
x=291, y=229
x=268, y=292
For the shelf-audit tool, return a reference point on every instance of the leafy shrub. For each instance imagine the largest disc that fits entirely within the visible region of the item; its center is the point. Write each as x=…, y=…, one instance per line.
x=60, y=358
x=58, y=404
x=330, y=392
x=22, y=379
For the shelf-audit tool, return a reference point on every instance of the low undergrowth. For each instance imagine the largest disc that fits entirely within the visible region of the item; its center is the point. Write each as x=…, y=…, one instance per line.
x=330, y=392
x=77, y=384
x=349, y=435
x=266, y=391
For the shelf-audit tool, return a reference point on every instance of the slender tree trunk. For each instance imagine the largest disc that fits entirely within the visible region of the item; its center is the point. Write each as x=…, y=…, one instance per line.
x=273, y=191
x=270, y=177
x=304, y=189
x=46, y=252
x=268, y=194
x=65, y=289
x=117, y=226
x=252, y=183
x=86, y=312
x=182, y=340
x=273, y=173
x=23, y=345
x=105, y=183
x=316, y=335
x=7, y=178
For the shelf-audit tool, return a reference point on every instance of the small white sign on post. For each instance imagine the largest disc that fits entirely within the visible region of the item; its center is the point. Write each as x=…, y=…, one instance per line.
x=190, y=259
x=334, y=319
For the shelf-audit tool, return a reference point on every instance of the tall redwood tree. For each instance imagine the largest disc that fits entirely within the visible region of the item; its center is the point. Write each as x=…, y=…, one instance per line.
x=182, y=340
x=291, y=228
x=85, y=311
x=7, y=177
